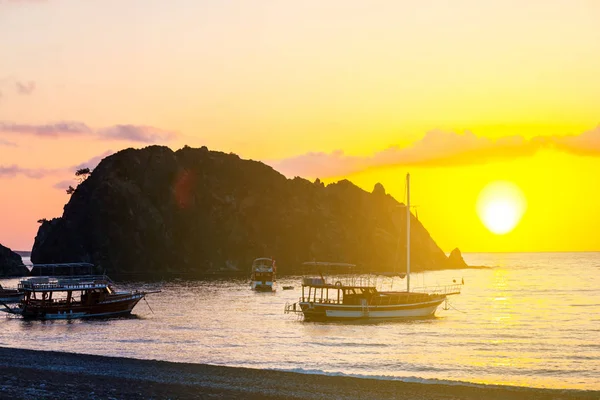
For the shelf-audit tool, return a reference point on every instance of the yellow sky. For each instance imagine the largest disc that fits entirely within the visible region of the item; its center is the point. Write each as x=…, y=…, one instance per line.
x=560, y=191
x=273, y=80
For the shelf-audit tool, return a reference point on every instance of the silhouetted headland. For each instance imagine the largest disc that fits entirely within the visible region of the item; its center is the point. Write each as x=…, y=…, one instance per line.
x=155, y=212
x=11, y=263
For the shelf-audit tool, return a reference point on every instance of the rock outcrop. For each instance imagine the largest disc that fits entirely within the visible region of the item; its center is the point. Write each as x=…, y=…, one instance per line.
x=155, y=212
x=455, y=260
x=11, y=263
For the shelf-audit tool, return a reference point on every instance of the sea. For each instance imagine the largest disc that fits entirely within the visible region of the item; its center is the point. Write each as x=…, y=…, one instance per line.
x=531, y=319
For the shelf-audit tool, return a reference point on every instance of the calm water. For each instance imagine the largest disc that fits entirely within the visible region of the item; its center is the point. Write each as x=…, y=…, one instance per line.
x=532, y=320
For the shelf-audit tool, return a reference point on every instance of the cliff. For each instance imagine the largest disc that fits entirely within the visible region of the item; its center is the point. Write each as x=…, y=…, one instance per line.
x=11, y=263
x=156, y=212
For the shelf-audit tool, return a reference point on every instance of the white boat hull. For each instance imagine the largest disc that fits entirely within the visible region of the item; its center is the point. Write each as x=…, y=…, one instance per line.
x=262, y=287
x=317, y=311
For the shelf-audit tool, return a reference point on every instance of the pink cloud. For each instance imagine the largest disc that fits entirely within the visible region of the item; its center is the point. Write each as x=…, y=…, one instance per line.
x=437, y=148
x=12, y=171
x=131, y=133
x=92, y=162
x=65, y=128
x=137, y=133
x=25, y=88
x=22, y=1
x=64, y=185
x=22, y=87
x=7, y=143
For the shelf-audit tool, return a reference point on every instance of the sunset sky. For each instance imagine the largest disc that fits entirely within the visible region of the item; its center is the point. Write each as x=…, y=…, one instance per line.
x=458, y=93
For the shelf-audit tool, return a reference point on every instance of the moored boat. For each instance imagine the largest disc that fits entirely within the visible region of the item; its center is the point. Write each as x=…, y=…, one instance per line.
x=68, y=297
x=327, y=300
x=263, y=275
x=323, y=300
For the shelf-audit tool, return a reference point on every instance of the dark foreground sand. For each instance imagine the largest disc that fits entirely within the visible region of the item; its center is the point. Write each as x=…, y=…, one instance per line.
x=30, y=374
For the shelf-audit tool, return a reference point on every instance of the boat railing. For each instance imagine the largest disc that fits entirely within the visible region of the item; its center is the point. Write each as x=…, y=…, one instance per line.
x=321, y=300
x=65, y=283
x=446, y=290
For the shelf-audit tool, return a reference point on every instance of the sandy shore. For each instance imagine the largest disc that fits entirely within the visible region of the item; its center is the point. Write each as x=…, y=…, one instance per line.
x=31, y=374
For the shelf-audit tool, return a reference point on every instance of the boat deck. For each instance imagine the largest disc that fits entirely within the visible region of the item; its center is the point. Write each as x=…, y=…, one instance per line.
x=60, y=284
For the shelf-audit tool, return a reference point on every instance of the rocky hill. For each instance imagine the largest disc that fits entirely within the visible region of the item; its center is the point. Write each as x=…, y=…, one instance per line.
x=155, y=212
x=11, y=263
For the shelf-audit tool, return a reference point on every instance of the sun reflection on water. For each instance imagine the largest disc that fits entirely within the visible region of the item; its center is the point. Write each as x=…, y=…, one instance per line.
x=531, y=321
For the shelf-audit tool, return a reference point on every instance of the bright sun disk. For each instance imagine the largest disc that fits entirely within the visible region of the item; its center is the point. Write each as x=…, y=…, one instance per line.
x=501, y=206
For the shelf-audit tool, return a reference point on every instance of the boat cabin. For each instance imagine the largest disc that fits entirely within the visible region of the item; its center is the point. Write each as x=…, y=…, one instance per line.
x=47, y=291
x=263, y=274
x=316, y=290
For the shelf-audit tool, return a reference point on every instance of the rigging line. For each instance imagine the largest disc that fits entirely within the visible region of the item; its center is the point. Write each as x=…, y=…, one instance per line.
x=148, y=304
x=450, y=305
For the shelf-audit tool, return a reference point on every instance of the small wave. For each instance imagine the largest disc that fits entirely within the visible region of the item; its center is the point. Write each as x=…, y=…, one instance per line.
x=412, y=379
x=136, y=341
x=351, y=344
x=409, y=379
x=584, y=305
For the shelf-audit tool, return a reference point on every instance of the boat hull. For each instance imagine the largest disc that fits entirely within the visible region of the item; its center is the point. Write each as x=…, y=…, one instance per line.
x=108, y=308
x=262, y=287
x=325, y=312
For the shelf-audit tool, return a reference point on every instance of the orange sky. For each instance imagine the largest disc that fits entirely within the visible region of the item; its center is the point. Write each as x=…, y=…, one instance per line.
x=458, y=93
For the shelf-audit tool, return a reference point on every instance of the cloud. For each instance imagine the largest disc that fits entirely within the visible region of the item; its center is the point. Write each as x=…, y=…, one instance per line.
x=55, y=130
x=64, y=185
x=7, y=143
x=131, y=133
x=22, y=87
x=25, y=88
x=438, y=148
x=588, y=143
x=139, y=133
x=12, y=171
x=92, y=162
x=22, y=1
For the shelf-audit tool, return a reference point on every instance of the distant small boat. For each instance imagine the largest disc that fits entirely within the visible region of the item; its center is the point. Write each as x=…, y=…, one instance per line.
x=263, y=276
x=288, y=288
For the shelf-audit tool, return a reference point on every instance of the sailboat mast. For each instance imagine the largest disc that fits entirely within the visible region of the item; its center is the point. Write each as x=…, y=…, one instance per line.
x=408, y=232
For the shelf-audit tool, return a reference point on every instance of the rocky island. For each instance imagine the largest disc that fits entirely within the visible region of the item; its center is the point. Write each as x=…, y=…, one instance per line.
x=11, y=263
x=157, y=212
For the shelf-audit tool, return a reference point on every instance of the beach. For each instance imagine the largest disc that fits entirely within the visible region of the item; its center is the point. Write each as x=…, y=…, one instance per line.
x=29, y=374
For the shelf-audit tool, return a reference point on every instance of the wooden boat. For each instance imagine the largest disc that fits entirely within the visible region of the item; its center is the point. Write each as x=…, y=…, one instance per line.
x=68, y=297
x=263, y=275
x=10, y=295
x=322, y=300
x=326, y=300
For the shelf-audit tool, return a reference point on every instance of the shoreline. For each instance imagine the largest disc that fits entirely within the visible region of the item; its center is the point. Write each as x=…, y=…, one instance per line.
x=32, y=374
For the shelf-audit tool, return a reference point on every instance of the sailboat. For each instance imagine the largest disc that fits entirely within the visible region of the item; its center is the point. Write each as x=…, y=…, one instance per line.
x=324, y=300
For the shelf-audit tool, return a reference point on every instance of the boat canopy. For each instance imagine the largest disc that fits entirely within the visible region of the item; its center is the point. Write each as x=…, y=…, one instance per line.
x=58, y=284
x=328, y=264
x=321, y=283
x=62, y=269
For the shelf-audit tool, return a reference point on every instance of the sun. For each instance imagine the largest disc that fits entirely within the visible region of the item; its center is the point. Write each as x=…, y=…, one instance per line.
x=501, y=206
